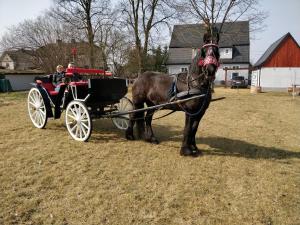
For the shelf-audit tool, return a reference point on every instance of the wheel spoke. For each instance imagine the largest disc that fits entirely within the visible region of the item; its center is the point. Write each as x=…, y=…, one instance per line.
x=72, y=129
x=76, y=132
x=42, y=112
x=72, y=117
x=38, y=117
x=84, y=132
x=35, y=115
x=80, y=131
x=86, y=126
x=35, y=95
x=31, y=103
x=32, y=99
x=73, y=111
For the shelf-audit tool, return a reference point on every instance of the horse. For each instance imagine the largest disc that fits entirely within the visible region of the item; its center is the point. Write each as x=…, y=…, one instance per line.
x=154, y=88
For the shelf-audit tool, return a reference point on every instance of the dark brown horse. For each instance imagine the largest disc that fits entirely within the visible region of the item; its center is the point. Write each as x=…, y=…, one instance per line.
x=154, y=88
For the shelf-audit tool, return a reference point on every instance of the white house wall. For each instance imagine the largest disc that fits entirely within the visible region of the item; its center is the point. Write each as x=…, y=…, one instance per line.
x=8, y=63
x=278, y=78
x=174, y=69
x=220, y=75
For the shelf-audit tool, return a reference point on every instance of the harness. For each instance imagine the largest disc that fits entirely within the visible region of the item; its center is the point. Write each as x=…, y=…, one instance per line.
x=173, y=92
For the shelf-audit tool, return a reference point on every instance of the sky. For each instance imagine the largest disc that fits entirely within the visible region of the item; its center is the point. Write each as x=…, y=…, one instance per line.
x=283, y=17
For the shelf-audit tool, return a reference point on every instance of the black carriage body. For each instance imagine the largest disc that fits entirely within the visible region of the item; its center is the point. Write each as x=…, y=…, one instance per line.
x=95, y=93
x=106, y=91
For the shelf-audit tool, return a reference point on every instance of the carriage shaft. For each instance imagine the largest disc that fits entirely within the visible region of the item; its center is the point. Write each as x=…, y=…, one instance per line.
x=155, y=106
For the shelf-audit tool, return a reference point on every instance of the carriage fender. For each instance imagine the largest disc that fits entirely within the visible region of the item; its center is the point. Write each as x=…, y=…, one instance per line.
x=46, y=100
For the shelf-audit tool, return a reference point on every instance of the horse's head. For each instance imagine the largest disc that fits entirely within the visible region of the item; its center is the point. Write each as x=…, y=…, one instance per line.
x=210, y=62
x=205, y=64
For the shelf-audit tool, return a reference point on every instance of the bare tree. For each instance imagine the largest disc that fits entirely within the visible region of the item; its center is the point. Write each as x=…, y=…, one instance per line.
x=119, y=48
x=42, y=37
x=221, y=11
x=142, y=17
x=86, y=15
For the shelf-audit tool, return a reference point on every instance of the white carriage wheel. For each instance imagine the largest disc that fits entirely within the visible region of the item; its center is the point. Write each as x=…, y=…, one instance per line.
x=78, y=121
x=36, y=108
x=124, y=105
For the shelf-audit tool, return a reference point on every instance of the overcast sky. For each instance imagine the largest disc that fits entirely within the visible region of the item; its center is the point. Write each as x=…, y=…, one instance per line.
x=284, y=16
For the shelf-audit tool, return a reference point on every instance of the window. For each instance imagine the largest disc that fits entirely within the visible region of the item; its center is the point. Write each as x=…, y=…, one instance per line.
x=234, y=75
x=225, y=53
x=184, y=69
x=7, y=65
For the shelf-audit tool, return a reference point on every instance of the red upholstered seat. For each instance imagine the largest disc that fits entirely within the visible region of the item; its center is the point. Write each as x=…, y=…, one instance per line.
x=50, y=88
x=52, y=93
x=79, y=83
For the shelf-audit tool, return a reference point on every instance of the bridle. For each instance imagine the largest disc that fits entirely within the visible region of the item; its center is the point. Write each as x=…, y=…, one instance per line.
x=202, y=77
x=210, y=59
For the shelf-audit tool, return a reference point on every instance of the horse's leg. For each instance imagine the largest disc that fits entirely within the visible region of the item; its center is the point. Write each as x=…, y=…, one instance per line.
x=186, y=142
x=135, y=117
x=129, y=131
x=140, y=121
x=195, y=123
x=149, y=135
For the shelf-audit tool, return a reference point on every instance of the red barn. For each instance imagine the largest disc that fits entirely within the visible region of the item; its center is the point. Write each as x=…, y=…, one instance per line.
x=279, y=67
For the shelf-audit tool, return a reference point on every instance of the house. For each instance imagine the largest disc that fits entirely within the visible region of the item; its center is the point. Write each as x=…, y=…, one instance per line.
x=234, y=46
x=17, y=60
x=279, y=67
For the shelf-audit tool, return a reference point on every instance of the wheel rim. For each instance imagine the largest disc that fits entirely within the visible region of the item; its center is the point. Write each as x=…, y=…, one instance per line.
x=124, y=105
x=78, y=121
x=36, y=108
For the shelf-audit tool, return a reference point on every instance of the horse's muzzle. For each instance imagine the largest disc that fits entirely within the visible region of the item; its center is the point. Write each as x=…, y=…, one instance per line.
x=211, y=60
x=211, y=71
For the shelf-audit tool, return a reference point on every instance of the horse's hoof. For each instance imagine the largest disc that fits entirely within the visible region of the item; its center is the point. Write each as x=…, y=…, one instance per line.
x=152, y=140
x=130, y=137
x=196, y=153
x=184, y=151
x=194, y=148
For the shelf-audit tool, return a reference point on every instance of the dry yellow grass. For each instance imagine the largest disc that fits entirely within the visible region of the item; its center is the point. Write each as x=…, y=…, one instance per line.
x=249, y=174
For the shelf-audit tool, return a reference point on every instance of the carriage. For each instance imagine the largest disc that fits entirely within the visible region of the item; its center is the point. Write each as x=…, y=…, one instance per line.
x=96, y=95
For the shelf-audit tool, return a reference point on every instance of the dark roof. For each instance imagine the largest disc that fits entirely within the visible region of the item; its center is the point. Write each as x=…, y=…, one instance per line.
x=187, y=37
x=180, y=55
x=273, y=47
x=191, y=35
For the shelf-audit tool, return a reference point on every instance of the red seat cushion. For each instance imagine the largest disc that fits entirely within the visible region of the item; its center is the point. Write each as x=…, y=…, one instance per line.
x=52, y=93
x=49, y=87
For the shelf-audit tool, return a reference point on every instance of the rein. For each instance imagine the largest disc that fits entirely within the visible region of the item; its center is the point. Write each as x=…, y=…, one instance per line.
x=201, y=108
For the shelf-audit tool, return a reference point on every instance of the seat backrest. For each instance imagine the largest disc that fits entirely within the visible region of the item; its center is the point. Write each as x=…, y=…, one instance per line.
x=48, y=86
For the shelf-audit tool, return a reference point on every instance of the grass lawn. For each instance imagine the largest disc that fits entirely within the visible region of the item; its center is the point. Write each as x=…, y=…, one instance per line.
x=249, y=173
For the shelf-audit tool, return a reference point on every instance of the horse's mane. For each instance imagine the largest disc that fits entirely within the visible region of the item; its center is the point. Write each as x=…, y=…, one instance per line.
x=194, y=67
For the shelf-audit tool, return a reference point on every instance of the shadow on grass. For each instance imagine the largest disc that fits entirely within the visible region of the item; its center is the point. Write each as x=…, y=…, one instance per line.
x=228, y=147
x=231, y=147
x=105, y=131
